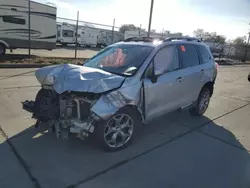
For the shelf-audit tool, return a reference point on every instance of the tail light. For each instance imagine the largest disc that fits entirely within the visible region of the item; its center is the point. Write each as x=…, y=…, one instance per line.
x=217, y=65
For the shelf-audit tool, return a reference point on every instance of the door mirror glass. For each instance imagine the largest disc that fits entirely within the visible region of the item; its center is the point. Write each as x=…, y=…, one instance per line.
x=158, y=71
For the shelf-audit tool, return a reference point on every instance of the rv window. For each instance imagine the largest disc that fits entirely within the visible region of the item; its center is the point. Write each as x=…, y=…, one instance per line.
x=13, y=19
x=67, y=33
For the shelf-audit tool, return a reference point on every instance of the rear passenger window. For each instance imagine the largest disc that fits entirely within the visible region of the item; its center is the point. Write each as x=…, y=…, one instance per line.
x=167, y=59
x=204, y=53
x=188, y=55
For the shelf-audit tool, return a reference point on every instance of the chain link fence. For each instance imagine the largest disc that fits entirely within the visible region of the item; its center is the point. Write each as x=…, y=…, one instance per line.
x=36, y=31
x=229, y=51
x=39, y=32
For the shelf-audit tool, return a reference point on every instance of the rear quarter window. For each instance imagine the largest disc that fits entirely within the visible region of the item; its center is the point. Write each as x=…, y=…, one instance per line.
x=189, y=55
x=205, y=54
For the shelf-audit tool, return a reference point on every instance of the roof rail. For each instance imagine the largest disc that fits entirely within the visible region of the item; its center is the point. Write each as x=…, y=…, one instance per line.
x=139, y=39
x=183, y=38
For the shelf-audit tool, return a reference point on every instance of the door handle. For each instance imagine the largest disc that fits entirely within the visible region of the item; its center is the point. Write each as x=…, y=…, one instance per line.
x=179, y=79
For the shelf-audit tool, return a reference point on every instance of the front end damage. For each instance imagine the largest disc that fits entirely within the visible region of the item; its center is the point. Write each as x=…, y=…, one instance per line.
x=65, y=113
x=80, y=111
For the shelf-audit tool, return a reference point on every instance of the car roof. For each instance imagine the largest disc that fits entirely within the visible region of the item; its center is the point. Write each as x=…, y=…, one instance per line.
x=157, y=43
x=141, y=43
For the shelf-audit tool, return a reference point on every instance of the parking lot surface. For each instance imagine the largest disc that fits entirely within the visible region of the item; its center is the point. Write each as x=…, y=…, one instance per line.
x=176, y=150
x=62, y=52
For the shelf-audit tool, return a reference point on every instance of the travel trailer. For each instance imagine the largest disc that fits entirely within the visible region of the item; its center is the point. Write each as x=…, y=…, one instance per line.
x=102, y=38
x=87, y=36
x=65, y=34
x=134, y=33
x=14, y=25
x=137, y=33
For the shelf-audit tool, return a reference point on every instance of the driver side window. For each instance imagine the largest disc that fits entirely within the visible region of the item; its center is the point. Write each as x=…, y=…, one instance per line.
x=166, y=59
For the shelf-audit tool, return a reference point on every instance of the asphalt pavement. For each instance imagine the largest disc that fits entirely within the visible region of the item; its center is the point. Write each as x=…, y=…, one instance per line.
x=174, y=151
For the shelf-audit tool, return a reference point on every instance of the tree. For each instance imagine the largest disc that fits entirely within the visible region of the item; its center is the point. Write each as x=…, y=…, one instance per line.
x=199, y=33
x=220, y=39
x=240, y=41
x=209, y=36
x=125, y=27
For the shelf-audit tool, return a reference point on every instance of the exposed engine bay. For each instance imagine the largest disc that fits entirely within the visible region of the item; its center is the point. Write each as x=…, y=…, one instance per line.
x=74, y=99
x=68, y=112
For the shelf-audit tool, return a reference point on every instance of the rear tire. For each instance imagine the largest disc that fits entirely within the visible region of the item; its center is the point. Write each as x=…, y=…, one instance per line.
x=2, y=50
x=113, y=136
x=202, y=103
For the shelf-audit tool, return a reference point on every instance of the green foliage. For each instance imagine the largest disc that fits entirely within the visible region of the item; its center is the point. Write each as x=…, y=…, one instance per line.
x=240, y=41
x=209, y=36
x=125, y=27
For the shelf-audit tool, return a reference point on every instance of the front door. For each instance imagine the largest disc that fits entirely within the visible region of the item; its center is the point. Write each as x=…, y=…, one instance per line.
x=163, y=95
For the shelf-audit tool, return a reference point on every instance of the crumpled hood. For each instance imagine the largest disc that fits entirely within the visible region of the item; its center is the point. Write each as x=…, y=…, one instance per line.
x=69, y=77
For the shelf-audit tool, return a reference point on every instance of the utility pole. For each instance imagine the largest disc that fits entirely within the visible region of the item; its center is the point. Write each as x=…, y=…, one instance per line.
x=113, y=28
x=140, y=31
x=150, y=17
x=76, y=34
x=245, y=55
x=29, y=30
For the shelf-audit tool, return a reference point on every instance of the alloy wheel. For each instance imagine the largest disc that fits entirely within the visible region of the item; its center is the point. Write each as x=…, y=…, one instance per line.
x=118, y=130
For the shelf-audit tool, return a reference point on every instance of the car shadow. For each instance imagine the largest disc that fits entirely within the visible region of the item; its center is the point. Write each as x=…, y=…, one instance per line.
x=57, y=163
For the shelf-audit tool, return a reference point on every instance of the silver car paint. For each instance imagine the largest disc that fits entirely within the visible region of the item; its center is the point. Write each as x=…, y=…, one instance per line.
x=161, y=97
x=110, y=103
x=69, y=77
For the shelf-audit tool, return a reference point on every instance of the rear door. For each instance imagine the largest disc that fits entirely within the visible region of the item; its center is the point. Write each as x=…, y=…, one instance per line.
x=192, y=73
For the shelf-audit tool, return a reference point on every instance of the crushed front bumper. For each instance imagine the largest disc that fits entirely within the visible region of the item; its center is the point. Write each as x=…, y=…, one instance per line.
x=71, y=119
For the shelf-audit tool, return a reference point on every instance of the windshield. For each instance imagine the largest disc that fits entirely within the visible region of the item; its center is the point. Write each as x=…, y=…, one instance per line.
x=120, y=59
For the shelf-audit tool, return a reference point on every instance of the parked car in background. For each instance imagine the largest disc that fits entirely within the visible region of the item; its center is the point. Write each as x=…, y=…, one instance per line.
x=129, y=82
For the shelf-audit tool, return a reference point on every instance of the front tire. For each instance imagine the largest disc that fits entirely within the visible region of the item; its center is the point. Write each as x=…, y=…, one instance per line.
x=117, y=132
x=202, y=103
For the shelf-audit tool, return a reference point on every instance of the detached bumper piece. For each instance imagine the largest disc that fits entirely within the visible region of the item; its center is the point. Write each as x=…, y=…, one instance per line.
x=29, y=106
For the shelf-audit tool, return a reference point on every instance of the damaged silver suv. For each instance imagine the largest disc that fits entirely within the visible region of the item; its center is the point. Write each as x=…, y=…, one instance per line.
x=129, y=82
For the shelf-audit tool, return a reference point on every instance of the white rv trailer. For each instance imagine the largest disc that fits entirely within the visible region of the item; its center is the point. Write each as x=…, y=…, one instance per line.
x=105, y=37
x=65, y=33
x=134, y=33
x=87, y=36
x=102, y=38
x=137, y=33
x=14, y=25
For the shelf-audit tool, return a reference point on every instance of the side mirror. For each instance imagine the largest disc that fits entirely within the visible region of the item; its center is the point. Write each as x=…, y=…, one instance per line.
x=150, y=73
x=158, y=72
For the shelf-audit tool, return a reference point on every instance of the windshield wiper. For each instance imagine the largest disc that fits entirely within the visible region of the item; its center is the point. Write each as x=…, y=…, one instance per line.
x=117, y=73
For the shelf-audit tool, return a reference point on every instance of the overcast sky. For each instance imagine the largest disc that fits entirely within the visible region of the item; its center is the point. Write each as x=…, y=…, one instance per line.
x=226, y=17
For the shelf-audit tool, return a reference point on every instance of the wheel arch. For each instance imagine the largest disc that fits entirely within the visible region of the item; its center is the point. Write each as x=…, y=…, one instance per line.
x=210, y=86
x=5, y=44
x=136, y=110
